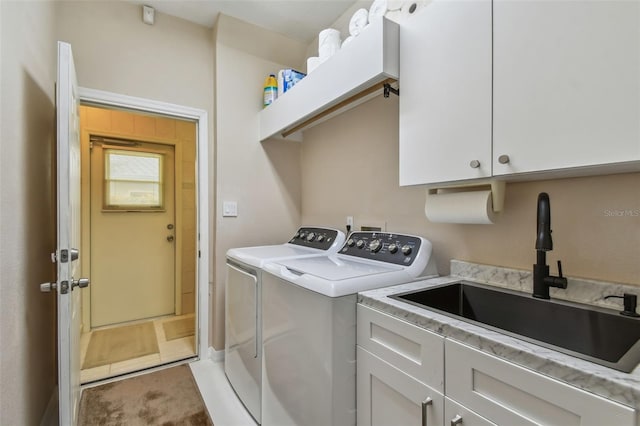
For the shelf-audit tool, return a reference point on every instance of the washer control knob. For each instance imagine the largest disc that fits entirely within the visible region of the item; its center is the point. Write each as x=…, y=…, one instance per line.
x=375, y=246
x=350, y=242
x=311, y=236
x=320, y=238
x=406, y=250
x=393, y=248
x=303, y=235
x=360, y=244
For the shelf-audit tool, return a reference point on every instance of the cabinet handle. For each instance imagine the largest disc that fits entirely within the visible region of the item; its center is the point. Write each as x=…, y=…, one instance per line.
x=474, y=164
x=457, y=420
x=425, y=404
x=503, y=159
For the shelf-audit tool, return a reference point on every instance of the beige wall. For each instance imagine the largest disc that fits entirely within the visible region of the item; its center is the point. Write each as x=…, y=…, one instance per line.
x=171, y=61
x=362, y=148
x=27, y=222
x=263, y=178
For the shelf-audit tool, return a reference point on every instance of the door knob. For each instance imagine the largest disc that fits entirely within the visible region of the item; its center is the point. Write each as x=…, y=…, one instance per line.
x=503, y=159
x=82, y=283
x=170, y=238
x=474, y=164
x=47, y=287
x=170, y=226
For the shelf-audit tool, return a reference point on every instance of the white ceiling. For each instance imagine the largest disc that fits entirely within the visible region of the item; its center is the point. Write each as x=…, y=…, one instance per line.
x=298, y=19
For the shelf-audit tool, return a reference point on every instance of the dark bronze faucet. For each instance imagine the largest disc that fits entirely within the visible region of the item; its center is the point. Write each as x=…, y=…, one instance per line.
x=542, y=280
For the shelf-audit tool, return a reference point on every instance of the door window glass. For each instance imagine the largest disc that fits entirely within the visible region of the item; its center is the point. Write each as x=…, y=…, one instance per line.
x=133, y=180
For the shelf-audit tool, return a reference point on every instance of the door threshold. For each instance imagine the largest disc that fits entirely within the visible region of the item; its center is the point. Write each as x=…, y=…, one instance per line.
x=122, y=376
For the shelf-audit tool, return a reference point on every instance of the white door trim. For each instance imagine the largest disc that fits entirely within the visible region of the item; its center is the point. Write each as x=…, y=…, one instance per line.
x=102, y=98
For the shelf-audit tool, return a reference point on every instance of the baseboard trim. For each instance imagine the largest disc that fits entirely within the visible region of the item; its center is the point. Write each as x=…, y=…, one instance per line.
x=50, y=417
x=215, y=356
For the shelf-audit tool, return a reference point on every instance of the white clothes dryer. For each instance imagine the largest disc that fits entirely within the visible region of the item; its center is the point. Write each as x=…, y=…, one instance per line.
x=309, y=324
x=243, y=326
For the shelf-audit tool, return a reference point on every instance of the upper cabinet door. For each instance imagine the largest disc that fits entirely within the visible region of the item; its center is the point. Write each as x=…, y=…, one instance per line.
x=445, y=92
x=566, y=84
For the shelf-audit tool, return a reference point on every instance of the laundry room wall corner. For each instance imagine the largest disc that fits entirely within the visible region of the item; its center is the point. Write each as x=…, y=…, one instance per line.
x=262, y=178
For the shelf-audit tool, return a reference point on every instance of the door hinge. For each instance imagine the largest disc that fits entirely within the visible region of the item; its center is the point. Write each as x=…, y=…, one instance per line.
x=199, y=254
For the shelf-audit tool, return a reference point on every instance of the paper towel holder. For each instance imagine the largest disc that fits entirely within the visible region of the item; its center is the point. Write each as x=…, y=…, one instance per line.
x=497, y=188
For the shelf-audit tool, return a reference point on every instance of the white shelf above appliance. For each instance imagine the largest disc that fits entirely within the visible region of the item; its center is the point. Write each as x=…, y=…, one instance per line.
x=353, y=75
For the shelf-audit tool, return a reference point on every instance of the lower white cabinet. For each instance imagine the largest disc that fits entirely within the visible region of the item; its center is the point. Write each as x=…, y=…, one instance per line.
x=508, y=394
x=411, y=349
x=408, y=376
x=389, y=397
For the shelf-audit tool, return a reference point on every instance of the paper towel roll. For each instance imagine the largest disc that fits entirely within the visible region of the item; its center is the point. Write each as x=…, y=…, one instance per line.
x=358, y=21
x=474, y=207
x=312, y=63
x=328, y=43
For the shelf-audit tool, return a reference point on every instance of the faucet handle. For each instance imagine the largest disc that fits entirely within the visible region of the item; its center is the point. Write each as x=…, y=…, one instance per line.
x=560, y=269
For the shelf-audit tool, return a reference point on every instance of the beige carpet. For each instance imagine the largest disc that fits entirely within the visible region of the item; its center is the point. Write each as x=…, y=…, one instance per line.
x=179, y=328
x=120, y=344
x=166, y=397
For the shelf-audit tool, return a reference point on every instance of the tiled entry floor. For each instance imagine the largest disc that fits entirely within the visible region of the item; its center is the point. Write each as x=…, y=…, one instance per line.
x=169, y=351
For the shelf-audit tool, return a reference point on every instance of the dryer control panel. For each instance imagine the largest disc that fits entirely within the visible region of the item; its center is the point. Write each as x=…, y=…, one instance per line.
x=383, y=246
x=318, y=238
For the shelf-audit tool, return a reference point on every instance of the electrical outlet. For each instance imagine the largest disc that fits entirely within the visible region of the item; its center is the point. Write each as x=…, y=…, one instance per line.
x=350, y=221
x=373, y=225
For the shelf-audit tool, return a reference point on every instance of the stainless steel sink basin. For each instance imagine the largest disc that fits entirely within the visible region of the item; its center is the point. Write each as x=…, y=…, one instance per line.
x=598, y=335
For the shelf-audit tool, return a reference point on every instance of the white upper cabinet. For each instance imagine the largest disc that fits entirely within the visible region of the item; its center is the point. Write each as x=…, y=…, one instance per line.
x=348, y=77
x=445, y=93
x=566, y=84
x=553, y=91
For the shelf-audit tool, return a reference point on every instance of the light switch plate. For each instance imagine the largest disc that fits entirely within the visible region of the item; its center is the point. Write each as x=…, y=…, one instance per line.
x=229, y=209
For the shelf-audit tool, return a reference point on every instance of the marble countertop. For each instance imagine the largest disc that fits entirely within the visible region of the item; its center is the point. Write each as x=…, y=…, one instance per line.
x=600, y=380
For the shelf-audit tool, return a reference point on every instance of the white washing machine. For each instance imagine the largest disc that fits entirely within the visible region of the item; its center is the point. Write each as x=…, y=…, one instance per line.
x=243, y=305
x=309, y=324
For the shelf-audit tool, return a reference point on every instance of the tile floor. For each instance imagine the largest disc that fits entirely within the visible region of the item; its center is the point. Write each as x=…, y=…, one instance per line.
x=170, y=351
x=222, y=403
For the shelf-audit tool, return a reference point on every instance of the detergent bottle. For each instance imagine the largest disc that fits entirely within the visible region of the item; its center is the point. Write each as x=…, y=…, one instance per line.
x=270, y=90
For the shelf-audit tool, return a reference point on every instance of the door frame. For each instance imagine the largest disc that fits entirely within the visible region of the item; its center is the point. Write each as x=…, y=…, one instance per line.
x=101, y=98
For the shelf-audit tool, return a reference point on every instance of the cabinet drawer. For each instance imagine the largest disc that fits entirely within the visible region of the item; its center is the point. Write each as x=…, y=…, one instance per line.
x=456, y=414
x=416, y=351
x=387, y=396
x=508, y=394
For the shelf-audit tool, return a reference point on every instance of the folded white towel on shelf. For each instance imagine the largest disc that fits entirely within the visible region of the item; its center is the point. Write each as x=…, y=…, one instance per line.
x=377, y=10
x=358, y=21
